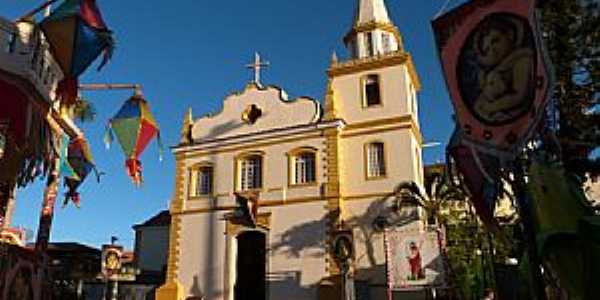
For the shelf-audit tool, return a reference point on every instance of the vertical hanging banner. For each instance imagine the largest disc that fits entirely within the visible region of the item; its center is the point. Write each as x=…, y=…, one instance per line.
x=496, y=72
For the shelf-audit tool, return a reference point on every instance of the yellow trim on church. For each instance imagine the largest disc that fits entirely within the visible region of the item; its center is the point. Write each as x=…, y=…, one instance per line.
x=263, y=220
x=172, y=289
x=330, y=103
x=377, y=62
x=374, y=25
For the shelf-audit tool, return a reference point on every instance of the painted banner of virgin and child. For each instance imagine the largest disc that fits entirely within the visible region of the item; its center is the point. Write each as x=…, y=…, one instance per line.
x=495, y=70
x=415, y=259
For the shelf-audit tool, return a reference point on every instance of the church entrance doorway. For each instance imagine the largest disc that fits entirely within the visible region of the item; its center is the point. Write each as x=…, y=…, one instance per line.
x=250, y=282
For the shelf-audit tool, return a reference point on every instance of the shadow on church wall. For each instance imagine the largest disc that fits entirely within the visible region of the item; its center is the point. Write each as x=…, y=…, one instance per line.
x=222, y=129
x=302, y=237
x=195, y=290
x=288, y=285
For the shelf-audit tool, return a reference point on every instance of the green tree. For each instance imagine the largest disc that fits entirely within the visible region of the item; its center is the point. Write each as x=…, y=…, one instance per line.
x=83, y=110
x=571, y=32
x=471, y=251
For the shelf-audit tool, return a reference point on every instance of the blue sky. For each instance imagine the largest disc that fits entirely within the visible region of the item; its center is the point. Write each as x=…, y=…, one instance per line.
x=190, y=53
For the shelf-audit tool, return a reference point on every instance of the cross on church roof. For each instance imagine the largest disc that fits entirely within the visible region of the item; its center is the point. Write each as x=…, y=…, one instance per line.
x=257, y=65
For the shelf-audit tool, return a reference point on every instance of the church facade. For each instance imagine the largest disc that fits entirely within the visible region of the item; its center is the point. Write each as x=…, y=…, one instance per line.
x=317, y=170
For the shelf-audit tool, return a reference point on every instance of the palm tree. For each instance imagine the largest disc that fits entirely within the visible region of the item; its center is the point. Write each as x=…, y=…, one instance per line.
x=438, y=195
x=83, y=110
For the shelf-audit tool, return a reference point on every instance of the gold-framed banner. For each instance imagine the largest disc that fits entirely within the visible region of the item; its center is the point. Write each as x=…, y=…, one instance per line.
x=415, y=259
x=111, y=261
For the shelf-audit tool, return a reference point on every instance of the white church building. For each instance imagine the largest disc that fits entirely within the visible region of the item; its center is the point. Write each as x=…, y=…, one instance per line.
x=318, y=170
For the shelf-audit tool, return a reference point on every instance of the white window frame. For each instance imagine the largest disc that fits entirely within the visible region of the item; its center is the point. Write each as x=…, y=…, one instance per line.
x=304, y=165
x=195, y=185
x=375, y=160
x=250, y=171
x=204, y=181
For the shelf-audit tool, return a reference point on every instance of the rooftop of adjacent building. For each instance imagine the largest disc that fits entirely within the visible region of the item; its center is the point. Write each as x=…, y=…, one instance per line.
x=162, y=218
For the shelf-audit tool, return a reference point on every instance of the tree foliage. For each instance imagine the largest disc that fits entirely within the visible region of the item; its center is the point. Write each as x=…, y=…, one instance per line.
x=571, y=32
x=84, y=110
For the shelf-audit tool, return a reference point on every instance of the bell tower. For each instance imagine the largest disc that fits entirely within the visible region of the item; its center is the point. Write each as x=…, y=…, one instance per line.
x=379, y=79
x=374, y=91
x=372, y=32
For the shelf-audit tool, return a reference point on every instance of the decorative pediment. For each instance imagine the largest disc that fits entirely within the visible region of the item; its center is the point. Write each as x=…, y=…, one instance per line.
x=256, y=109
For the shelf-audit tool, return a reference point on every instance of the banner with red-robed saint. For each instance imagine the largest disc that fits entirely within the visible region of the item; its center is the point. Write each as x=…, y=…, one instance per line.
x=415, y=259
x=495, y=70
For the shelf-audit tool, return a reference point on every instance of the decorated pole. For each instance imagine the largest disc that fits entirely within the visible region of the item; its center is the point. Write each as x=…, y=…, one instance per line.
x=47, y=213
x=7, y=192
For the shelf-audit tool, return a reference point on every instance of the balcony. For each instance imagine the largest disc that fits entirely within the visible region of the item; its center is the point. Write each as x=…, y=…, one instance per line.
x=26, y=62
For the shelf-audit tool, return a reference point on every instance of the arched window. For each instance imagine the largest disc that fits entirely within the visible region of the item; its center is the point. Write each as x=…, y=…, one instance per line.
x=201, y=180
x=303, y=168
x=375, y=160
x=249, y=172
x=372, y=94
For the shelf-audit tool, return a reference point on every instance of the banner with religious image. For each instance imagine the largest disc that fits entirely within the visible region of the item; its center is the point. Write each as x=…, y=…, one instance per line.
x=496, y=71
x=415, y=259
x=111, y=261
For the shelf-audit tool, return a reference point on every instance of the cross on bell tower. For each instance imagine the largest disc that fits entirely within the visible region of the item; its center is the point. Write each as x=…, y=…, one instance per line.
x=257, y=66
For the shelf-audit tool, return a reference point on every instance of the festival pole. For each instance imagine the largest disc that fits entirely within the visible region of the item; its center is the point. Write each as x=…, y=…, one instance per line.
x=47, y=213
x=520, y=189
x=7, y=195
